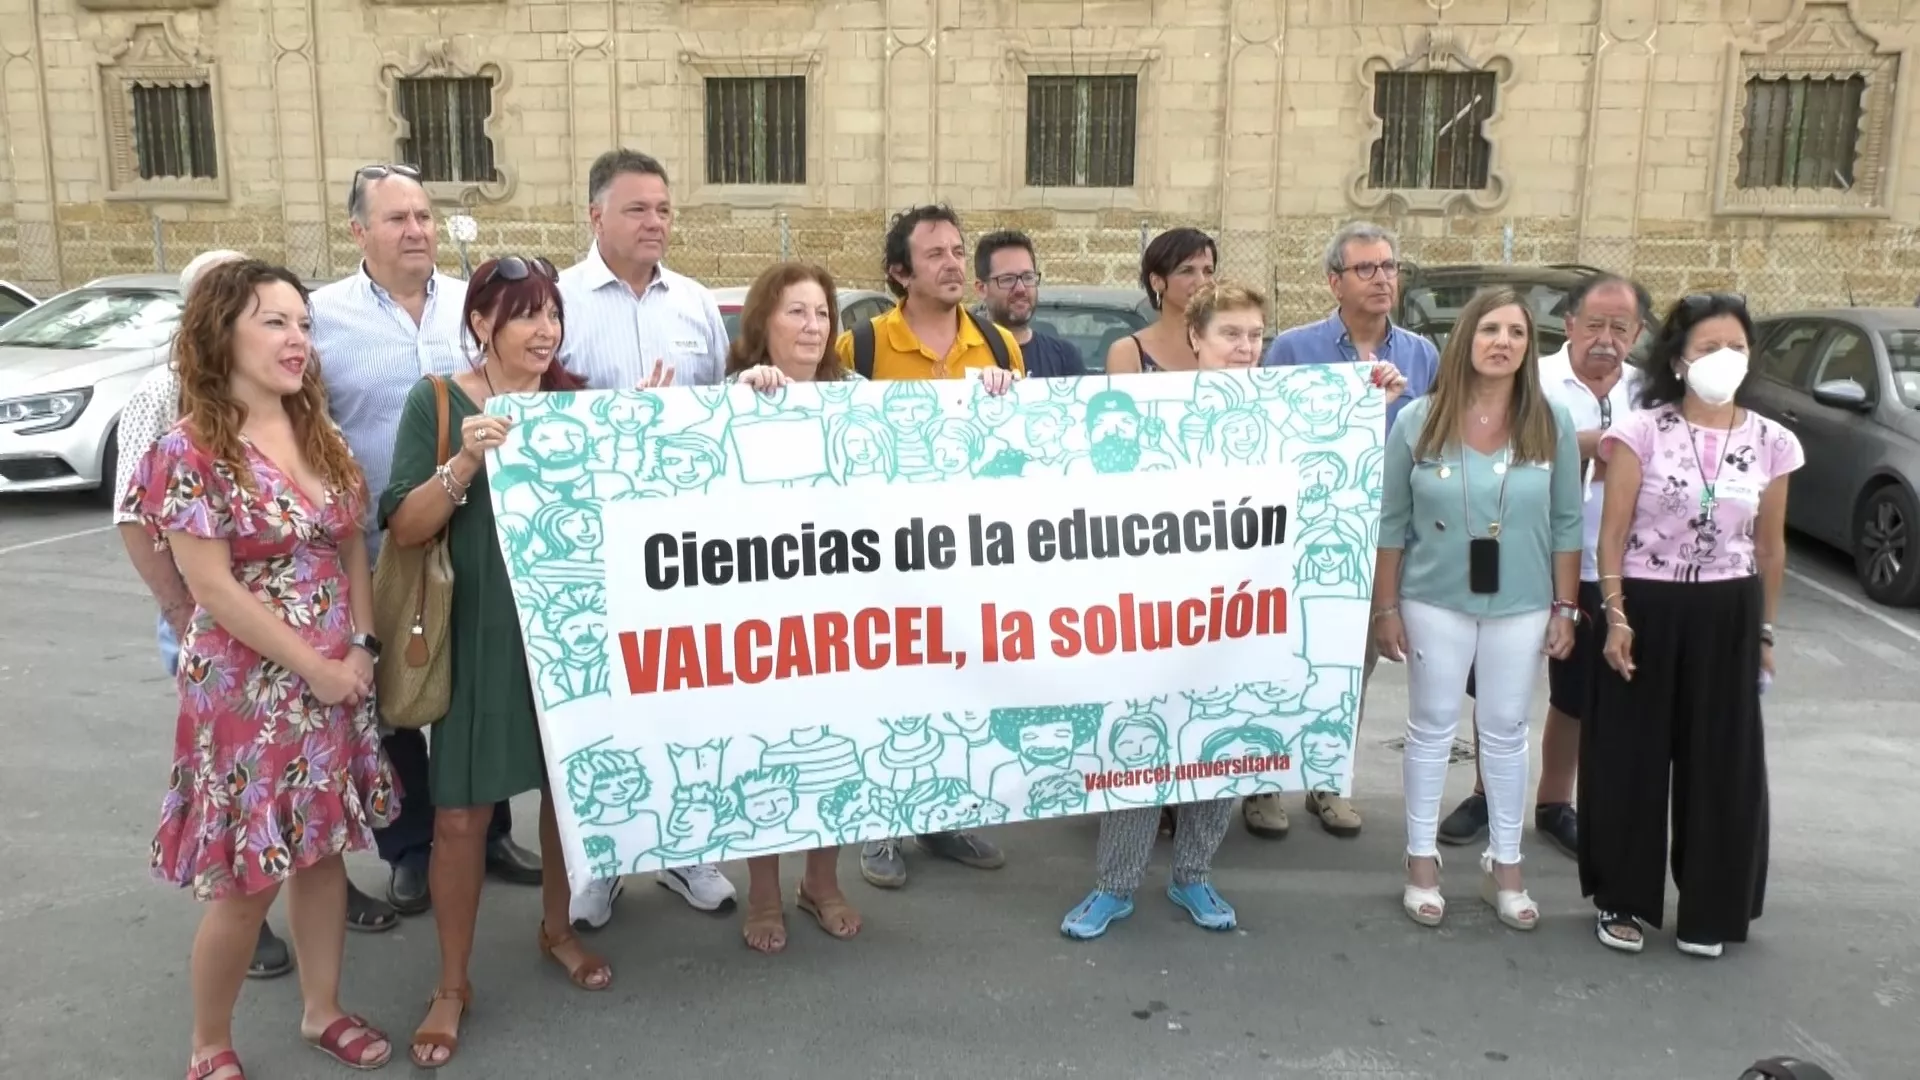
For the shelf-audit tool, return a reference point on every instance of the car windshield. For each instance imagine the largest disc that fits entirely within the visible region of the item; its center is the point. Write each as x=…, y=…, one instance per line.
x=97, y=319
x=1903, y=355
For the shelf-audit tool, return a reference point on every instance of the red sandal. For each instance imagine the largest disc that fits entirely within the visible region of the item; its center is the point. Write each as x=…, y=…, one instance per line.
x=205, y=1067
x=332, y=1042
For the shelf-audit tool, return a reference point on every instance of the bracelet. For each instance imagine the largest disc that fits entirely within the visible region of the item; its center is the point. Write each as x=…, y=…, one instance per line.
x=458, y=497
x=1569, y=609
x=1621, y=623
x=1390, y=609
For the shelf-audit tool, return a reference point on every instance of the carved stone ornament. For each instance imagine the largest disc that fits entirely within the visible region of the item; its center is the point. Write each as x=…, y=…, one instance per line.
x=436, y=58
x=1438, y=49
x=152, y=53
x=105, y=6
x=1819, y=39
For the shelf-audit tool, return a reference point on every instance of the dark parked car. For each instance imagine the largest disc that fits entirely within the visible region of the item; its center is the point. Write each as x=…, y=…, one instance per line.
x=1847, y=382
x=1092, y=317
x=1431, y=298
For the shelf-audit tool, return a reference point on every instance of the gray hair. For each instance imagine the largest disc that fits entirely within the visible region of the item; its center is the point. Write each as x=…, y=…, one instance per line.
x=616, y=163
x=203, y=262
x=1364, y=232
x=357, y=187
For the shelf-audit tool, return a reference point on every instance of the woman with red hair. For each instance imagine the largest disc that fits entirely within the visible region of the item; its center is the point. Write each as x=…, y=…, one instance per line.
x=277, y=765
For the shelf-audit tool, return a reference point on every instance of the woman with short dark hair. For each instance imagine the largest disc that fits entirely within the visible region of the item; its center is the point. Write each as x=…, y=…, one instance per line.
x=1173, y=268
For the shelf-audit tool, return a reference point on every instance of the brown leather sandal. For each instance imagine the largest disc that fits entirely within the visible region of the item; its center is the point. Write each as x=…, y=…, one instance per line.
x=765, y=920
x=434, y=1040
x=588, y=965
x=829, y=913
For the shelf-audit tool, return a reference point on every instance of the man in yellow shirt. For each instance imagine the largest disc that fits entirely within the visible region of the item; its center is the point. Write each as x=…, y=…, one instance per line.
x=928, y=334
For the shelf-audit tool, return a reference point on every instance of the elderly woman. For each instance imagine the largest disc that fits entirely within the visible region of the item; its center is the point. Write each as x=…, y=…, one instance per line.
x=1479, y=560
x=1692, y=549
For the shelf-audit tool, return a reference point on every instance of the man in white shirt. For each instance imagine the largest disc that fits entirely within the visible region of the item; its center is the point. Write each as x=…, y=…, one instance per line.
x=626, y=311
x=150, y=413
x=1590, y=375
x=377, y=332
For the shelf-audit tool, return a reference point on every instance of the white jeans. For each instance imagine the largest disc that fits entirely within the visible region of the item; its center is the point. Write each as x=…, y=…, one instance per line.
x=1505, y=656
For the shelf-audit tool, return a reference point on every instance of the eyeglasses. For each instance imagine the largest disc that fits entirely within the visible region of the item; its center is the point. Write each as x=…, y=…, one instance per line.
x=1007, y=281
x=1367, y=270
x=515, y=268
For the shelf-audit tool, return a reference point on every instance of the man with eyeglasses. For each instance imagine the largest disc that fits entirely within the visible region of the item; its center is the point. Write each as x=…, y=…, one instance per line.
x=1007, y=277
x=1363, y=273
x=1592, y=377
x=378, y=332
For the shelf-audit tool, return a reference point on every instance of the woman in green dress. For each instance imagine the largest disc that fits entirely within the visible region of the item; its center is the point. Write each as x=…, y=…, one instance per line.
x=487, y=748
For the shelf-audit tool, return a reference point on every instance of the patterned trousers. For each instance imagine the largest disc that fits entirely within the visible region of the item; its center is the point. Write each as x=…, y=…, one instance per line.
x=1127, y=836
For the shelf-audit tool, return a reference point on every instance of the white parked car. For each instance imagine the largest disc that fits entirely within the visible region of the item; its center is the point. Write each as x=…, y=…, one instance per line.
x=14, y=301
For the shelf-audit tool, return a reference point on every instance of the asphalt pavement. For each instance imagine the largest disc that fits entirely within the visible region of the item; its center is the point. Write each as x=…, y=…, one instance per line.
x=963, y=973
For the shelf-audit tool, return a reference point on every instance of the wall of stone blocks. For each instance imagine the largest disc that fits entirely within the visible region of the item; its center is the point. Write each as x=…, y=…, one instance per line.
x=1254, y=124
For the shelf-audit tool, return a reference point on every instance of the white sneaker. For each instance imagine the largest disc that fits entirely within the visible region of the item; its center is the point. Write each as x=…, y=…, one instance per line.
x=592, y=907
x=703, y=887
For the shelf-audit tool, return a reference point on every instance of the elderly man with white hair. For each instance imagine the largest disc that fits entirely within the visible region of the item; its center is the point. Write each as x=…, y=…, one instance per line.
x=149, y=413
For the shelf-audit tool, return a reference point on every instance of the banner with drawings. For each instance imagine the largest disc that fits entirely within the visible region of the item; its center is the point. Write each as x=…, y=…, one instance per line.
x=843, y=612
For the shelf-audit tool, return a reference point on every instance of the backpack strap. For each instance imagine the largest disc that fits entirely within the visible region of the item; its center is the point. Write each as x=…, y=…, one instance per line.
x=996, y=344
x=863, y=348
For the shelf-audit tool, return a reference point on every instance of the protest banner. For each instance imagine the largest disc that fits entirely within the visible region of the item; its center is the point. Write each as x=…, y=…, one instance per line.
x=844, y=612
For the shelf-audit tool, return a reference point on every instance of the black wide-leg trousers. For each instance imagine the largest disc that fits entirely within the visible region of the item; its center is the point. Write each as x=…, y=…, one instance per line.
x=1686, y=733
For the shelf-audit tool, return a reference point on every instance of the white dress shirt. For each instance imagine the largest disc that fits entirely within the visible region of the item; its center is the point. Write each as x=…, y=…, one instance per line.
x=147, y=415
x=613, y=336
x=1590, y=412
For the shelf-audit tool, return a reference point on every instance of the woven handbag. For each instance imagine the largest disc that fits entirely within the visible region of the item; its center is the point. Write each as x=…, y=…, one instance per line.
x=413, y=614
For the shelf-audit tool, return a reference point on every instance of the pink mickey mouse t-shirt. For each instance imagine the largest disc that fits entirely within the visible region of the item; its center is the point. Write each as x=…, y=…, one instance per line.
x=1694, y=521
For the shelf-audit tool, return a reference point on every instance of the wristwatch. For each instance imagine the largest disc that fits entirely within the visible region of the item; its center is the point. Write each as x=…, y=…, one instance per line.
x=367, y=642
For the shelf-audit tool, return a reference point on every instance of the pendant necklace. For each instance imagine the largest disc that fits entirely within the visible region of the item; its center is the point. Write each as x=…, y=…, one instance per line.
x=1708, y=501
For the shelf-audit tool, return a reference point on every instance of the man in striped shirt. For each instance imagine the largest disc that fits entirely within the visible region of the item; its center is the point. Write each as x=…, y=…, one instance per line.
x=377, y=332
x=625, y=310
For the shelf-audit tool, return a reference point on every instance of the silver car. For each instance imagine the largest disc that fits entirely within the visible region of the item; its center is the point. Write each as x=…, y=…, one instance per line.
x=1847, y=382
x=14, y=302
x=856, y=305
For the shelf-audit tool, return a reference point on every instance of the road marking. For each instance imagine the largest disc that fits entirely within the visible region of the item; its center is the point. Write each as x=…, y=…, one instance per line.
x=1830, y=593
x=92, y=532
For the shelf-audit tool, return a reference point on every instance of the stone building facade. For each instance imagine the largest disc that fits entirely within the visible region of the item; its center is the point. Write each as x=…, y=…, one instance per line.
x=1757, y=144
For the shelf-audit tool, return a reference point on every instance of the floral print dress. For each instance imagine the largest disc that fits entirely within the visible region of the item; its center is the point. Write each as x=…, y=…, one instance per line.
x=266, y=780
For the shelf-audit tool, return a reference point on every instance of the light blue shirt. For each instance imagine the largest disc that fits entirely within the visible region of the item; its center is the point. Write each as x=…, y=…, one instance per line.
x=371, y=353
x=1431, y=505
x=1327, y=342
x=613, y=336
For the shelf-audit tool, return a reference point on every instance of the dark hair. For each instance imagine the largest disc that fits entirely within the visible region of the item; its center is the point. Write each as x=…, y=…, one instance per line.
x=996, y=242
x=616, y=163
x=1167, y=251
x=1664, y=384
x=500, y=299
x=749, y=347
x=1601, y=282
x=898, y=253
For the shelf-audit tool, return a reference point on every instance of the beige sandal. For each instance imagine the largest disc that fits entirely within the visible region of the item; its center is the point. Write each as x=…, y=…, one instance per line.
x=764, y=920
x=831, y=913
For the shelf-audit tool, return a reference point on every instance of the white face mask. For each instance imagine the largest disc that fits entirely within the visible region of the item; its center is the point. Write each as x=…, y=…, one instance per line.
x=1717, y=376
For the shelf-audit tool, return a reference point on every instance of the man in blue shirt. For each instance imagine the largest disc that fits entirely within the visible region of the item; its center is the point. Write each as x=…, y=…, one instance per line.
x=1363, y=273
x=1008, y=279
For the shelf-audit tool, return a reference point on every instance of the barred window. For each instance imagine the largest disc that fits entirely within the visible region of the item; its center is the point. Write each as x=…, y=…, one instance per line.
x=173, y=131
x=1801, y=131
x=447, y=127
x=757, y=130
x=1081, y=130
x=1431, y=134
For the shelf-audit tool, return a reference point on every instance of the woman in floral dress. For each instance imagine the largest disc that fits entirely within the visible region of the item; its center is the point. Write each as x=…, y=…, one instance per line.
x=277, y=765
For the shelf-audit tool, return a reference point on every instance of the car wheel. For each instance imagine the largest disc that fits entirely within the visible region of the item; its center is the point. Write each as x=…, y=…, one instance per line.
x=109, y=466
x=1884, y=554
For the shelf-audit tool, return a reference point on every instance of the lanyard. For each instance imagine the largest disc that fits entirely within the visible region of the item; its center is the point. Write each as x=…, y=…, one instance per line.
x=1504, y=468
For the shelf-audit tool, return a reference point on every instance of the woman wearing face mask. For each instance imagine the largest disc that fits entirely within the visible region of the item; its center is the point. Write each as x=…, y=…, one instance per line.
x=487, y=747
x=1478, y=565
x=1691, y=554
x=786, y=324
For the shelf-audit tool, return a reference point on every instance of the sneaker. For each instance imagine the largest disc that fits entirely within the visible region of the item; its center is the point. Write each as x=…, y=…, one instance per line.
x=1560, y=825
x=882, y=864
x=1467, y=824
x=1335, y=812
x=592, y=907
x=703, y=887
x=1097, y=912
x=1199, y=900
x=1265, y=816
x=965, y=848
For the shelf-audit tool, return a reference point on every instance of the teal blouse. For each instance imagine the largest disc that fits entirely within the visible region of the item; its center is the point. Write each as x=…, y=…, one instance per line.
x=1426, y=508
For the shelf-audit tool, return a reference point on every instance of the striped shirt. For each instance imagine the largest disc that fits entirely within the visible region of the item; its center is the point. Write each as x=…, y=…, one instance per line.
x=613, y=337
x=371, y=353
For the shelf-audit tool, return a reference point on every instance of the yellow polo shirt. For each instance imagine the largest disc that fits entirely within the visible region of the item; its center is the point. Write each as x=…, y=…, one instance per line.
x=898, y=354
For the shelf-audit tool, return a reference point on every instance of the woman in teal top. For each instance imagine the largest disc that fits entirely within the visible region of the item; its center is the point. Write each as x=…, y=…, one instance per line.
x=1480, y=535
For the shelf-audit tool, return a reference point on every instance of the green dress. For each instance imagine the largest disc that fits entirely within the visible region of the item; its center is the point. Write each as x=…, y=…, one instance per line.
x=488, y=746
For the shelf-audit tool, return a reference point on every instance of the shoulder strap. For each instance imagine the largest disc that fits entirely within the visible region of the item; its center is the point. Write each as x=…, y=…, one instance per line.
x=863, y=348
x=441, y=409
x=996, y=344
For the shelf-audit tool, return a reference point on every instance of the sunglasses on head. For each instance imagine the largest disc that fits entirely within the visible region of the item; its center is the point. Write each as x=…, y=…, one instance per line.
x=1695, y=303
x=375, y=172
x=516, y=268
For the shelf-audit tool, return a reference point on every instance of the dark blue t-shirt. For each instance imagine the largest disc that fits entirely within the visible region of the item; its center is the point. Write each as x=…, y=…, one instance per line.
x=1051, y=358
